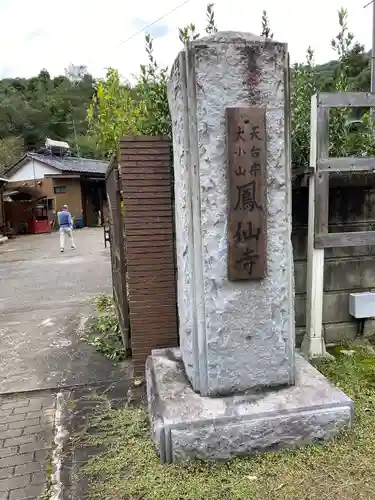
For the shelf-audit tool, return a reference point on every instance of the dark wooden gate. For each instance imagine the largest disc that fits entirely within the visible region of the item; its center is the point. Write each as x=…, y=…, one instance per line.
x=118, y=257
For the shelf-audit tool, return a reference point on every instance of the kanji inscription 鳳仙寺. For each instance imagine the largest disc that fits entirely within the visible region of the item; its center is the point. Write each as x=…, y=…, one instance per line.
x=247, y=211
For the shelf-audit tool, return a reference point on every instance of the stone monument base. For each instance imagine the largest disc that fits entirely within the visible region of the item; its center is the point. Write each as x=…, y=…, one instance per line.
x=186, y=426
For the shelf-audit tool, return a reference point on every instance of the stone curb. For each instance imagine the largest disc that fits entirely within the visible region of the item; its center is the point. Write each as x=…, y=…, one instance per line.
x=71, y=412
x=61, y=439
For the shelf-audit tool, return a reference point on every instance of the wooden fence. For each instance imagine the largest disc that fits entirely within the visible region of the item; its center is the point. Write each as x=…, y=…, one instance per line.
x=319, y=237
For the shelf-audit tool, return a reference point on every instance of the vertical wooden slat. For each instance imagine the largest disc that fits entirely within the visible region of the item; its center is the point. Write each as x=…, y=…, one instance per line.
x=313, y=344
x=117, y=248
x=2, y=211
x=321, y=179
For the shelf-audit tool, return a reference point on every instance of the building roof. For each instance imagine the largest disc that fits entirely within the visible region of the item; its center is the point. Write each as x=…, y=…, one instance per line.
x=64, y=164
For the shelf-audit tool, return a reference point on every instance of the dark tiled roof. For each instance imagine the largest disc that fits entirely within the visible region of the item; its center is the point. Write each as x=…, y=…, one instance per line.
x=72, y=164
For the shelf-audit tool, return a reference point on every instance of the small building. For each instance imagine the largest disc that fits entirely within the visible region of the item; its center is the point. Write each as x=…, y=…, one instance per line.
x=39, y=184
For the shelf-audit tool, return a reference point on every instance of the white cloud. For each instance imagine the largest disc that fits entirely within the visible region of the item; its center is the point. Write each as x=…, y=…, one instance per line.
x=157, y=30
x=52, y=35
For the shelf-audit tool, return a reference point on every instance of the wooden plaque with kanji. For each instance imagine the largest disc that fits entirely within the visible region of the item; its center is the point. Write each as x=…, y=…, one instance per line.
x=247, y=197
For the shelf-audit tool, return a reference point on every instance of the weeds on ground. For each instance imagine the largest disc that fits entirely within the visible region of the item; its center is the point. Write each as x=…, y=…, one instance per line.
x=105, y=333
x=47, y=493
x=342, y=469
x=104, y=303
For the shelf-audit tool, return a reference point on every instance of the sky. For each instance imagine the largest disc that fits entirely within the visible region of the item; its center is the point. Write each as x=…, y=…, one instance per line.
x=50, y=34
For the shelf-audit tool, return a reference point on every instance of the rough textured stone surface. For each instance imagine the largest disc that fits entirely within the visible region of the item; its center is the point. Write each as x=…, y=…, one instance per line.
x=234, y=335
x=183, y=215
x=186, y=425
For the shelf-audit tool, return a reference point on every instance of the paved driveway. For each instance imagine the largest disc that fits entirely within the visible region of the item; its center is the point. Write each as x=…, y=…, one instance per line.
x=45, y=298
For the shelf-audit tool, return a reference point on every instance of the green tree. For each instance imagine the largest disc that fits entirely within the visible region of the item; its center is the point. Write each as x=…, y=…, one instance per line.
x=116, y=110
x=266, y=30
x=113, y=113
x=188, y=33
x=342, y=76
x=84, y=146
x=152, y=91
x=11, y=150
x=303, y=87
x=210, y=18
x=41, y=107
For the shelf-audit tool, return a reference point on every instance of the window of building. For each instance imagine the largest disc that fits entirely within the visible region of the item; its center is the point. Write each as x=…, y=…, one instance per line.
x=59, y=189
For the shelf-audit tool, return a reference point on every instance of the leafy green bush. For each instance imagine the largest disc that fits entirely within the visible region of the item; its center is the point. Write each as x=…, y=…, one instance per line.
x=105, y=333
x=104, y=303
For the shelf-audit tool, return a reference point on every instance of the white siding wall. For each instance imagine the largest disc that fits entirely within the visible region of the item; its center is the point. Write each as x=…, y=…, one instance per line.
x=32, y=170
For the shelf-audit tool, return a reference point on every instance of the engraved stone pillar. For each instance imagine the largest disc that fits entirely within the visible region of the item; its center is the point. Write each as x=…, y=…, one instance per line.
x=235, y=335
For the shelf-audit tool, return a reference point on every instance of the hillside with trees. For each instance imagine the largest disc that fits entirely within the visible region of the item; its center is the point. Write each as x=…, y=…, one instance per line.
x=32, y=109
x=358, y=70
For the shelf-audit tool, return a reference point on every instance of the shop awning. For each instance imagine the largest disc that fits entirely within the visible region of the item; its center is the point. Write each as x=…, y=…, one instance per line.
x=30, y=193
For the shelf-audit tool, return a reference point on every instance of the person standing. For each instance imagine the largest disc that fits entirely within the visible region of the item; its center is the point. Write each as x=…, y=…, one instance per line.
x=66, y=227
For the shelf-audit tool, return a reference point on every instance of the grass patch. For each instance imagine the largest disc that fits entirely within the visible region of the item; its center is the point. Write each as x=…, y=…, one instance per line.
x=342, y=469
x=105, y=335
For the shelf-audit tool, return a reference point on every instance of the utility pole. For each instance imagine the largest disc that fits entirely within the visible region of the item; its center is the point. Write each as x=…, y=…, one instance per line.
x=372, y=55
x=75, y=138
x=373, y=49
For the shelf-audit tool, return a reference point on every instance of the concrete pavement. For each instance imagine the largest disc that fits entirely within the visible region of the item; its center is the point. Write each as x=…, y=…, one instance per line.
x=45, y=298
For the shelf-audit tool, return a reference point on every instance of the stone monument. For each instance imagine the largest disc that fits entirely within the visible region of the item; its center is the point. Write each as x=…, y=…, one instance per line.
x=236, y=385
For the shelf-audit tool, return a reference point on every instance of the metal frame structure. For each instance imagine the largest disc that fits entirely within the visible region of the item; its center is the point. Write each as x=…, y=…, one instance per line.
x=321, y=165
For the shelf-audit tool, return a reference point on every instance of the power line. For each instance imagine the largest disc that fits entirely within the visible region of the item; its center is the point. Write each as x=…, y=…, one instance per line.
x=146, y=27
x=67, y=121
x=154, y=22
x=372, y=54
